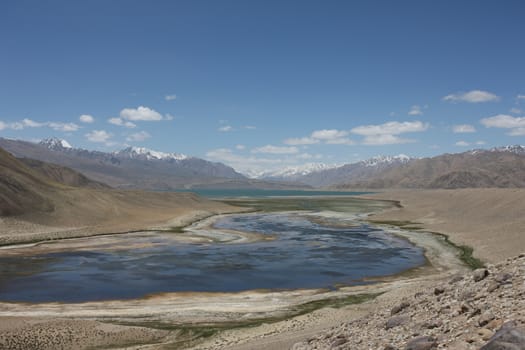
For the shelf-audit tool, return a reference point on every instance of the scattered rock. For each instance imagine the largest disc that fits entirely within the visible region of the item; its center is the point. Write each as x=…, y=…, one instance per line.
x=396, y=321
x=455, y=279
x=502, y=277
x=507, y=338
x=480, y=274
x=485, y=318
x=439, y=290
x=461, y=314
x=398, y=308
x=421, y=343
x=493, y=285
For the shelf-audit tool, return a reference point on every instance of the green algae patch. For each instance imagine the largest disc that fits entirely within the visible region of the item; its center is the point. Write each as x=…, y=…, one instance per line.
x=187, y=335
x=466, y=253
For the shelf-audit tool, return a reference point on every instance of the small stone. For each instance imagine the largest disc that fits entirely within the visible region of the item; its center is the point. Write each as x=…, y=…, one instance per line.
x=398, y=308
x=421, y=343
x=458, y=345
x=439, y=290
x=396, y=321
x=485, y=334
x=493, y=285
x=340, y=340
x=432, y=324
x=465, y=308
x=502, y=277
x=485, y=318
x=389, y=347
x=455, y=279
x=494, y=324
x=475, y=312
x=480, y=274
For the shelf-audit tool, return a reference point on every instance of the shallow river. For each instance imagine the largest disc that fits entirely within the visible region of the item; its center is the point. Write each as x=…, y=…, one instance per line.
x=305, y=253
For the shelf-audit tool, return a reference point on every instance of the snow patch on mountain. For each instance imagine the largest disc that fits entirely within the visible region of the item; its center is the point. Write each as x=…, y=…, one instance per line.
x=148, y=154
x=55, y=143
x=382, y=160
x=293, y=171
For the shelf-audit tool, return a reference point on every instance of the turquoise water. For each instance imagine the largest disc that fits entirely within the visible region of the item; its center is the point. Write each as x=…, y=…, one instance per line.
x=257, y=193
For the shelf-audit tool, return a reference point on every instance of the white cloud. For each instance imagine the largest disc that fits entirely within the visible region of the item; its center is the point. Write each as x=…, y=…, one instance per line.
x=225, y=128
x=170, y=97
x=390, y=128
x=329, y=134
x=517, y=132
x=99, y=136
x=121, y=122
x=503, y=121
x=3, y=125
x=474, y=96
x=301, y=141
x=86, y=118
x=138, y=136
x=466, y=144
x=386, y=134
x=240, y=147
x=28, y=123
x=32, y=124
x=141, y=113
x=415, y=110
x=516, y=110
x=520, y=97
x=341, y=141
x=463, y=128
x=241, y=163
x=276, y=150
x=250, y=127
x=66, y=127
x=384, y=139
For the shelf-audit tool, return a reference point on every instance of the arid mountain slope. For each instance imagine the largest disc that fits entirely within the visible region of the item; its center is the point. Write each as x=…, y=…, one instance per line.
x=137, y=168
x=499, y=167
x=21, y=188
x=34, y=197
x=62, y=174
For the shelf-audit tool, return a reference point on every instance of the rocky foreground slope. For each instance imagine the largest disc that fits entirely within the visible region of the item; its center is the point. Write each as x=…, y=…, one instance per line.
x=482, y=310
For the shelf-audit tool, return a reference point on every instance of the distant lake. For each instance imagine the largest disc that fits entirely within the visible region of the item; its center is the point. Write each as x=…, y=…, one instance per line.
x=258, y=193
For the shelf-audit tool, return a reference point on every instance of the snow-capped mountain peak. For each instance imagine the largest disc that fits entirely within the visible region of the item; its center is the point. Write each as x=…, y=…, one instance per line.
x=292, y=171
x=55, y=143
x=148, y=154
x=380, y=160
x=517, y=149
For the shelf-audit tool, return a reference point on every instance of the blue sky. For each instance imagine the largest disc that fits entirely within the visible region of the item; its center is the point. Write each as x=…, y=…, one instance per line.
x=265, y=84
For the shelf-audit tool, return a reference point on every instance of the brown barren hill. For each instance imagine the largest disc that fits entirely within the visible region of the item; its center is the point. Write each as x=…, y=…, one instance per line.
x=30, y=195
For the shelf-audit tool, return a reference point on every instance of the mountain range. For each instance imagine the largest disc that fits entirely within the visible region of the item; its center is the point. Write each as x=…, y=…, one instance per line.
x=66, y=202
x=321, y=175
x=496, y=167
x=136, y=167
x=141, y=168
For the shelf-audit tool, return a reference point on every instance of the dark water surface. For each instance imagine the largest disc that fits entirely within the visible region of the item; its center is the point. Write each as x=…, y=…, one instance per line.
x=303, y=255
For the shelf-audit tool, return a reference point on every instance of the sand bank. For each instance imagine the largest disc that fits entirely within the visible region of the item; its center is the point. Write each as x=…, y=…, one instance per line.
x=491, y=221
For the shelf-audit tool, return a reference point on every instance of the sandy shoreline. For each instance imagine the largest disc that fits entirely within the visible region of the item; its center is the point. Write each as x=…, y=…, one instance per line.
x=463, y=222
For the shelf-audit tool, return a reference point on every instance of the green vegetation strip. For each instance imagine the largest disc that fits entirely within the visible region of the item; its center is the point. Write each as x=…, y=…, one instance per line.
x=191, y=334
x=465, y=251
